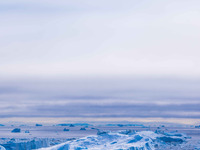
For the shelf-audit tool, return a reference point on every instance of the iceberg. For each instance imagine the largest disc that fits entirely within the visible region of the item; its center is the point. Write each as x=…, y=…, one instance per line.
x=65, y=129
x=82, y=129
x=123, y=140
x=2, y=148
x=16, y=130
x=75, y=124
x=24, y=144
x=27, y=131
x=38, y=124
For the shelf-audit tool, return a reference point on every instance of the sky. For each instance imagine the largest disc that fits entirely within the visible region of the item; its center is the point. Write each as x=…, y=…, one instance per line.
x=102, y=57
x=99, y=38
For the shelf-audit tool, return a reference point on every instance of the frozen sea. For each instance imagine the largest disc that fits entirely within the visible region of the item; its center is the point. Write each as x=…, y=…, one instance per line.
x=102, y=136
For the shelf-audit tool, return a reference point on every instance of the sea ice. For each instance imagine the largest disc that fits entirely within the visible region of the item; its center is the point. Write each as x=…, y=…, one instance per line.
x=125, y=140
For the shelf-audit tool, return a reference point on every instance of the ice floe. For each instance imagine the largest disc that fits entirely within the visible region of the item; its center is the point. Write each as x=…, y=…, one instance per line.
x=123, y=140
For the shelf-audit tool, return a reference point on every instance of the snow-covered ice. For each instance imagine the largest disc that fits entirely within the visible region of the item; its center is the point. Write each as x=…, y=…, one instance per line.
x=124, y=140
x=2, y=148
x=97, y=137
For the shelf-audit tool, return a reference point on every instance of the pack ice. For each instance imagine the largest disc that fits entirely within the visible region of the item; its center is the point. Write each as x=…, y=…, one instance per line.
x=123, y=140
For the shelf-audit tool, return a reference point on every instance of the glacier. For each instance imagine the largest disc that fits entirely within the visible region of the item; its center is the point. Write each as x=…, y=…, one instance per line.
x=124, y=140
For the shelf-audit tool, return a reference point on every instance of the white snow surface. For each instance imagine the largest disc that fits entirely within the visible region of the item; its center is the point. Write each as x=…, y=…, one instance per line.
x=122, y=140
x=2, y=148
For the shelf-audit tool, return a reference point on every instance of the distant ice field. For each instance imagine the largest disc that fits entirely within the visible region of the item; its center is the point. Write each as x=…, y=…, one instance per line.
x=124, y=136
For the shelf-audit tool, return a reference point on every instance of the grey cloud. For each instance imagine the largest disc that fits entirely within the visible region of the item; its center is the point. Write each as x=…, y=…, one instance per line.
x=115, y=97
x=122, y=110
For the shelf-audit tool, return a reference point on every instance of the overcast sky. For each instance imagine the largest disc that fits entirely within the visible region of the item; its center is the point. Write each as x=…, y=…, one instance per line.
x=99, y=38
x=105, y=58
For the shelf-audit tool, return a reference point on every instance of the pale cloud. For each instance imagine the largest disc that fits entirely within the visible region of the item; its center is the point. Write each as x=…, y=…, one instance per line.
x=65, y=38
